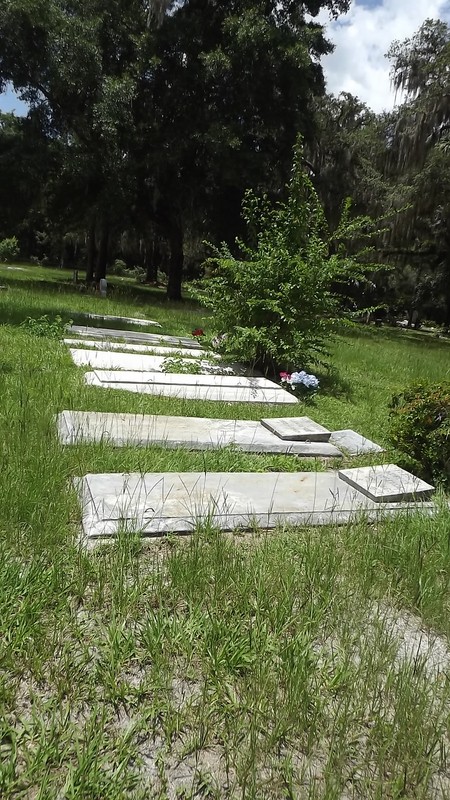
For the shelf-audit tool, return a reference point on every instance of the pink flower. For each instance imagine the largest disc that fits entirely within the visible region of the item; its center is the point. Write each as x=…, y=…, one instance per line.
x=285, y=376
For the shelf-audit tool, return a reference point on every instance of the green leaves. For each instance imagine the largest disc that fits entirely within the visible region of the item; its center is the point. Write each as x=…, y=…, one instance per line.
x=279, y=303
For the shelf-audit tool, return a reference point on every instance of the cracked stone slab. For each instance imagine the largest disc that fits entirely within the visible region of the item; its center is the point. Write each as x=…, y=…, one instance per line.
x=135, y=362
x=302, y=429
x=354, y=443
x=225, y=388
x=387, y=483
x=195, y=433
x=153, y=504
x=157, y=350
x=133, y=336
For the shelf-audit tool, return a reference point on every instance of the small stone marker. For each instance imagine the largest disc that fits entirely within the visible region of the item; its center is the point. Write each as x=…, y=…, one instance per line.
x=103, y=287
x=387, y=483
x=354, y=443
x=133, y=336
x=297, y=429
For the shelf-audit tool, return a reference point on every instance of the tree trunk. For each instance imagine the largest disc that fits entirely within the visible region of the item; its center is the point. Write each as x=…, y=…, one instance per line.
x=175, y=263
x=102, y=258
x=152, y=261
x=90, y=254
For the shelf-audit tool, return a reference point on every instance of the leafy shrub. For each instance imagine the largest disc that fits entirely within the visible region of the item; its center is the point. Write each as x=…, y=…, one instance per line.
x=420, y=427
x=9, y=249
x=178, y=364
x=280, y=303
x=44, y=326
x=118, y=267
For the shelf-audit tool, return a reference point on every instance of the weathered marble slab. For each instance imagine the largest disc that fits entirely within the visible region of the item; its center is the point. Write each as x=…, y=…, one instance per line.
x=387, y=483
x=128, y=320
x=157, y=503
x=230, y=392
x=133, y=336
x=300, y=429
x=187, y=379
x=156, y=350
x=135, y=362
x=354, y=443
x=194, y=433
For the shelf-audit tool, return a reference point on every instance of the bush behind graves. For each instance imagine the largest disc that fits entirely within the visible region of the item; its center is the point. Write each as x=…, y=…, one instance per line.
x=420, y=427
x=280, y=302
x=9, y=249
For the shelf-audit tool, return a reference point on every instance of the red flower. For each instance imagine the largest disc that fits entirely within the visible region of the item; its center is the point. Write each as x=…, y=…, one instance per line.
x=198, y=332
x=284, y=376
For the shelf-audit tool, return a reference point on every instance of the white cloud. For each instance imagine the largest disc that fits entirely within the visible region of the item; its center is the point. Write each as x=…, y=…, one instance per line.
x=363, y=36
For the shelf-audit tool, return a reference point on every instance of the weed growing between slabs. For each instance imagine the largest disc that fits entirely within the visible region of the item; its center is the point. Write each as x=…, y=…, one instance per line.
x=241, y=666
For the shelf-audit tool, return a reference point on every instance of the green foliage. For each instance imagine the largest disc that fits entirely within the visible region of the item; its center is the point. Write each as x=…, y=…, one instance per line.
x=181, y=365
x=45, y=327
x=420, y=427
x=9, y=249
x=281, y=302
x=119, y=267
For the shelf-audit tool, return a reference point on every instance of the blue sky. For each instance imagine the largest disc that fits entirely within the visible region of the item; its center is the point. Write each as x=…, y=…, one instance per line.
x=9, y=102
x=362, y=37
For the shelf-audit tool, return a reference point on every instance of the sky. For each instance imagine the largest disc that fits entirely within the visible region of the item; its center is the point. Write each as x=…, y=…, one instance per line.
x=361, y=38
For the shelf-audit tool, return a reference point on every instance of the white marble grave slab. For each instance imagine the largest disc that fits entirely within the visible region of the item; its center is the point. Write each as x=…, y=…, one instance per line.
x=301, y=429
x=128, y=320
x=224, y=388
x=387, y=483
x=157, y=503
x=134, y=336
x=354, y=443
x=156, y=350
x=194, y=433
x=187, y=379
x=136, y=362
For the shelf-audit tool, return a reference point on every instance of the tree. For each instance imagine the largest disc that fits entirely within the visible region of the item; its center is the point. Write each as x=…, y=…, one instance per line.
x=278, y=303
x=419, y=162
x=169, y=107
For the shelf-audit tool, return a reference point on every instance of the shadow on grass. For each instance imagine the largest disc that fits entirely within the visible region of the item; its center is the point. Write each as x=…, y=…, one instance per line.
x=394, y=334
x=334, y=384
x=11, y=315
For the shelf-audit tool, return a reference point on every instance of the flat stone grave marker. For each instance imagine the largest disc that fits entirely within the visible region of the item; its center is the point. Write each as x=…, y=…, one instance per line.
x=195, y=433
x=134, y=336
x=300, y=429
x=226, y=388
x=354, y=443
x=128, y=320
x=387, y=483
x=157, y=503
x=158, y=350
x=136, y=362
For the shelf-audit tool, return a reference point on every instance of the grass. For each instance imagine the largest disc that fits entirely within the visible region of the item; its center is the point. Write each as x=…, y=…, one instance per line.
x=289, y=664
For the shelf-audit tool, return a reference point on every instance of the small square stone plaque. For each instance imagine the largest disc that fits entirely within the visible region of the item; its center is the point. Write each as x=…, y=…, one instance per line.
x=297, y=429
x=387, y=483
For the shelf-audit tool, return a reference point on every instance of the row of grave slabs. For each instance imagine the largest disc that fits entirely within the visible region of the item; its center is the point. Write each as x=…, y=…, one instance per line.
x=154, y=504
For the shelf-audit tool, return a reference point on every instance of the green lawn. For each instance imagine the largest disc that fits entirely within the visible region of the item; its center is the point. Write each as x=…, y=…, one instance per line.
x=257, y=665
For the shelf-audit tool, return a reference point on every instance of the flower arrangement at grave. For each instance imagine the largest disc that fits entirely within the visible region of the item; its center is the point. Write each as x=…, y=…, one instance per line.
x=197, y=332
x=300, y=382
